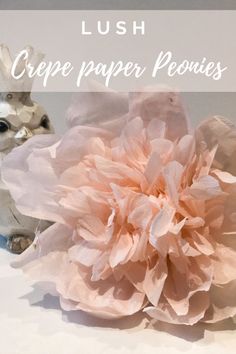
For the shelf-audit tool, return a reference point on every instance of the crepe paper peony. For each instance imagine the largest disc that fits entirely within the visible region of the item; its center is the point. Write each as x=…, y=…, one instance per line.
x=144, y=212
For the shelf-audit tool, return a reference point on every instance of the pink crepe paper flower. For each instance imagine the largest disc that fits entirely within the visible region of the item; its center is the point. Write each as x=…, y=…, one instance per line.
x=144, y=212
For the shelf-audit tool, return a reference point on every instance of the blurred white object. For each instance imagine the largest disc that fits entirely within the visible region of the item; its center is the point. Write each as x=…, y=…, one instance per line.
x=20, y=119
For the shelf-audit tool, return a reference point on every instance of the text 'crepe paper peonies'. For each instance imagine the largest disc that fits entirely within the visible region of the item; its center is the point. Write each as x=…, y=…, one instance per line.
x=144, y=211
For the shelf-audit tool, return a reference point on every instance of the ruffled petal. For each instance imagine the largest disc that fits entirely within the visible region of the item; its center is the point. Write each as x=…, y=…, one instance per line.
x=221, y=132
x=222, y=303
x=105, y=109
x=224, y=262
x=165, y=106
x=144, y=212
x=199, y=303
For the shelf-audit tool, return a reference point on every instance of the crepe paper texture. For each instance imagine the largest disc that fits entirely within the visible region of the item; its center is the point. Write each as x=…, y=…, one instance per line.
x=143, y=208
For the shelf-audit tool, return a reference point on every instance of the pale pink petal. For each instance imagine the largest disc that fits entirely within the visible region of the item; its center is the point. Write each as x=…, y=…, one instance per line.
x=101, y=269
x=106, y=299
x=156, y=129
x=84, y=253
x=199, y=303
x=224, y=262
x=172, y=174
x=45, y=243
x=161, y=224
x=98, y=108
x=199, y=276
x=202, y=243
x=135, y=272
x=194, y=223
x=141, y=214
x=165, y=106
x=40, y=173
x=205, y=188
x=223, y=303
x=121, y=249
x=176, y=228
x=47, y=269
x=116, y=171
x=185, y=149
x=153, y=169
x=162, y=147
x=139, y=253
x=224, y=176
x=219, y=131
x=154, y=281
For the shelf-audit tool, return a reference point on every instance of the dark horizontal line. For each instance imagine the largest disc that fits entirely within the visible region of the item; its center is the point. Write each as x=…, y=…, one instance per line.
x=117, y=5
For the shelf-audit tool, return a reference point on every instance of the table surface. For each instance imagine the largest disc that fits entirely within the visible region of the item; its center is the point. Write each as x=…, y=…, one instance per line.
x=33, y=323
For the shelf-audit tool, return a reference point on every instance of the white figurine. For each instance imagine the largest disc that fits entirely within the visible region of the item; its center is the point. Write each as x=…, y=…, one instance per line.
x=20, y=119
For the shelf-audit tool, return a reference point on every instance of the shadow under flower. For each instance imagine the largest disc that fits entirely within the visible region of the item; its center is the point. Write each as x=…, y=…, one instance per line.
x=47, y=301
x=136, y=322
x=196, y=332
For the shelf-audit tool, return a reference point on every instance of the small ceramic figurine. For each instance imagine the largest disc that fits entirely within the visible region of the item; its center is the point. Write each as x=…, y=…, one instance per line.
x=20, y=119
